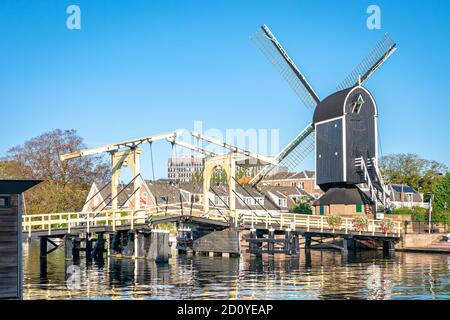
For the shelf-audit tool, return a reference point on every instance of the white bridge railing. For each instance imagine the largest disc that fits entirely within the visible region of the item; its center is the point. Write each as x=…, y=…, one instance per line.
x=51, y=222
x=321, y=224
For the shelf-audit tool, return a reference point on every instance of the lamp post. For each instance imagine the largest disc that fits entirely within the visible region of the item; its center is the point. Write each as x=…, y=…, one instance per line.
x=431, y=210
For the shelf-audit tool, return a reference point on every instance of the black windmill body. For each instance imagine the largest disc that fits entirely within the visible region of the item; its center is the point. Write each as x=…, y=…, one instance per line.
x=344, y=130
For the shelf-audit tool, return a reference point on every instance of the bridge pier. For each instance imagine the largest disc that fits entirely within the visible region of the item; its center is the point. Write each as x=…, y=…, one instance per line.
x=291, y=245
x=388, y=247
x=88, y=246
x=153, y=245
x=43, y=257
x=71, y=248
x=271, y=243
x=99, y=247
x=348, y=244
x=307, y=242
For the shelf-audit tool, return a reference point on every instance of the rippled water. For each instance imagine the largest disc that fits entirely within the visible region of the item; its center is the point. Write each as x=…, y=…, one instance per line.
x=318, y=275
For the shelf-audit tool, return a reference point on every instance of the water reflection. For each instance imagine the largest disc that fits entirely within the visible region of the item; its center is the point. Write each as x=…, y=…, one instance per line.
x=312, y=275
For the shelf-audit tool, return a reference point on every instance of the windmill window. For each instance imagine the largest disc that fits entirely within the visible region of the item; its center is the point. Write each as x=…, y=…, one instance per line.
x=335, y=153
x=358, y=207
x=320, y=156
x=5, y=202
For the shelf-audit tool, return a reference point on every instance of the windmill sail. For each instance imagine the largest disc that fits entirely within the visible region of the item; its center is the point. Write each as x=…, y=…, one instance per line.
x=292, y=155
x=382, y=51
x=272, y=49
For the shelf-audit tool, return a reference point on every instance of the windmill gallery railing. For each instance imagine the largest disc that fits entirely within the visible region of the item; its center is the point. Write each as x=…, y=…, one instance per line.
x=52, y=223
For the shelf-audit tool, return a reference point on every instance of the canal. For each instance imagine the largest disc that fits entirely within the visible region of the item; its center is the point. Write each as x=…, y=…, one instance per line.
x=314, y=275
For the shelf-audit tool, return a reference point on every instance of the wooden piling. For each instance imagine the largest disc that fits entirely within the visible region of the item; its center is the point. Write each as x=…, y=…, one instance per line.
x=270, y=243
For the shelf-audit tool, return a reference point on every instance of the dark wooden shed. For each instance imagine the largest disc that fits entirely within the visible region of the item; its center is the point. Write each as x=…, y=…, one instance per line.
x=11, y=236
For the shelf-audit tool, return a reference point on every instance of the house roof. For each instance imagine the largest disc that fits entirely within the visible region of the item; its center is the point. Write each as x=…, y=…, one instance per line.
x=105, y=192
x=305, y=174
x=403, y=188
x=17, y=186
x=398, y=189
x=343, y=195
x=164, y=191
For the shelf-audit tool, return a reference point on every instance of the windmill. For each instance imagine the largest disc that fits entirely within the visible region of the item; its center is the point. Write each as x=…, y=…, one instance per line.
x=343, y=132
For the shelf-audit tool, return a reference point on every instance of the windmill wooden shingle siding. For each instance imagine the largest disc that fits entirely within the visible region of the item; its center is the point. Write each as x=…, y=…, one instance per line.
x=11, y=237
x=346, y=126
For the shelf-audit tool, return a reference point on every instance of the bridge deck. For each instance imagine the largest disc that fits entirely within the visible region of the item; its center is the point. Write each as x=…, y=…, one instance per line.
x=58, y=224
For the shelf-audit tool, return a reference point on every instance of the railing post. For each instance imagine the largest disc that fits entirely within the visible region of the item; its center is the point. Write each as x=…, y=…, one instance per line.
x=29, y=226
x=132, y=220
x=49, y=225
x=281, y=219
x=321, y=223
x=253, y=220
x=307, y=223
x=373, y=227
x=346, y=225
x=295, y=224
x=114, y=220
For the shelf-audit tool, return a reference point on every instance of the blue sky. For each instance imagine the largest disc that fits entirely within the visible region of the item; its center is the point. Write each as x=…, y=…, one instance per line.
x=138, y=68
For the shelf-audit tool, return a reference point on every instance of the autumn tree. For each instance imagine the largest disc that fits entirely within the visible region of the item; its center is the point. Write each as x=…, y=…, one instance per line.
x=66, y=183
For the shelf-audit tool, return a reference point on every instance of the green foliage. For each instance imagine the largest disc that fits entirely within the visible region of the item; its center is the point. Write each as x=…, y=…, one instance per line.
x=197, y=177
x=420, y=174
x=441, y=201
x=302, y=208
x=360, y=223
x=401, y=211
x=334, y=221
x=387, y=225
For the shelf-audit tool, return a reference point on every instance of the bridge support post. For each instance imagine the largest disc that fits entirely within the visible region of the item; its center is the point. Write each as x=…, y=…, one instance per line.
x=388, y=247
x=128, y=239
x=88, y=246
x=152, y=245
x=114, y=243
x=253, y=246
x=348, y=244
x=307, y=242
x=271, y=243
x=68, y=248
x=43, y=256
x=76, y=249
x=99, y=247
x=290, y=243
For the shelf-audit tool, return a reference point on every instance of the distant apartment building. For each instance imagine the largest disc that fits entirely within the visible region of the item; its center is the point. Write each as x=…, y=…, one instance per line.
x=182, y=169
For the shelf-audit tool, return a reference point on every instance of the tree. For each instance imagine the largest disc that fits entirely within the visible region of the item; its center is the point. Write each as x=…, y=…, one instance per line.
x=442, y=194
x=410, y=169
x=66, y=183
x=302, y=207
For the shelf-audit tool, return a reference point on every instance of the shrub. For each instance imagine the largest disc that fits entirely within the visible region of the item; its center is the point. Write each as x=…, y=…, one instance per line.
x=387, y=225
x=302, y=207
x=401, y=211
x=360, y=223
x=334, y=221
